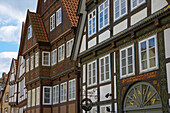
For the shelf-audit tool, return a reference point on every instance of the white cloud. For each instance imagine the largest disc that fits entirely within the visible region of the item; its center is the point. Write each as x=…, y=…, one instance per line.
x=5, y=59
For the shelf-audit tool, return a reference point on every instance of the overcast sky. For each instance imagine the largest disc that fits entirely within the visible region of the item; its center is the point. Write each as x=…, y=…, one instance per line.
x=12, y=14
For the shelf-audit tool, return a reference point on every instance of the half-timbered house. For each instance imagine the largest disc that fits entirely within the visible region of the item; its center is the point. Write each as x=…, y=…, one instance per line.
x=123, y=49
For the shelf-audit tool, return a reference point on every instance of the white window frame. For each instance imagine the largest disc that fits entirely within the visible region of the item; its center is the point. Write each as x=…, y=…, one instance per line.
x=38, y=96
x=69, y=47
x=104, y=106
x=56, y=94
x=64, y=93
x=72, y=90
x=44, y=95
x=27, y=65
x=138, y=4
x=33, y=97
x=103, y=11
x=105, y=80
x=52, y=22
x=36, y=59
x=62, y=48
x=54, y=57
x=29, y=99
x=58, y=17
x=92, y=25
x=133, y=61
x=91, y=63
x=32, y=62
x=29, y=32
x=43, y=58
x=156, y=54
x=120, y=15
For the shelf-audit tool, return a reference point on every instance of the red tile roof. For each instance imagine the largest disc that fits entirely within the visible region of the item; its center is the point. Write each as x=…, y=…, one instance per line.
x=38, y=27
x=71, y=7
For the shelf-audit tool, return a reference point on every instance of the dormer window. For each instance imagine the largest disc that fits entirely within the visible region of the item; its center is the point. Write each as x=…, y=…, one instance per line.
x=58, y=17
x=29, y=32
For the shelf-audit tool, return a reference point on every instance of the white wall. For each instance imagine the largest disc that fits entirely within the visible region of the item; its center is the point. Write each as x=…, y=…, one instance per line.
x=105, y=35
x=92, y=92
x=138, y=16
x=92, y=43
x=168, y=76
x=157, y=5
x=120, y=27
x=103, y=92
x=167, y=42
x=83, y=44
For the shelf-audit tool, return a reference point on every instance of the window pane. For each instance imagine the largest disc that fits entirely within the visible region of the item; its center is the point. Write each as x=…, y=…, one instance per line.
x=94, y=73
x=151, y=52
x=144, y=64
x=143, y=55
x=134, y=3
x=130, y=60
x=130, y=69
x=123, y=62
x=143, y=46
x=130, y=51
x=151, y=43
x=106, y=16
x=94, y=25
x=152, y=62
x=123, y=53
x=124, y=71
x=101, y=19
x=140, y=1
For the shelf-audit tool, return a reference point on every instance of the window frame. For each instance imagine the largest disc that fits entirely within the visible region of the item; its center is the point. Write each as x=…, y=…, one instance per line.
x=37, y=94
x=72, y=90
x=54, y=57
x=133, y=61
x=105, y=80
x=29, y=99
x=29, y=32
x=43, y=58
x=103, y=10
x=91, y=19
x=44, y=95
x=60, y=18
x=52, y=22
x=32, y=63
x=114, y=10
x=33, y=99
x=62, y=53
x=156, y=54
x=138, y=4
x=36, y=59
x=27, y=65
x=90, y=63
x=69, y=49
x=62, y=101
x=56, y=94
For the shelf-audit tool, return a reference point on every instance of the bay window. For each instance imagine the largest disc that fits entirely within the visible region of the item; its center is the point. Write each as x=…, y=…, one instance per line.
x=45, y=58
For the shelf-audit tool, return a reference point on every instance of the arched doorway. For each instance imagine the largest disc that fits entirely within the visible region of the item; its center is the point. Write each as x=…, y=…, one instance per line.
x=142, y=98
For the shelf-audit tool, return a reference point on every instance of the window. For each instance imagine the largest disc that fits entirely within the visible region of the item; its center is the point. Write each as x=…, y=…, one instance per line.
x=36, y=59
x=32, y=62
x=103, y=14
x=58, y=16
x=93, y=110
x=63, y=92
x=92, y=73
x=29, y=98
x=6, y=97
x=72, y=89
x=38, y=96
x=46, y=95
x=136, y=3
x=29, y=32
x=92, y=23
x=33, y=97
x=103, y=108
x=22, y=87
x=55, y=94
x=44, y=1
x=127, y=61
x=54, y=57
x=148, y=54
x=45, y=58
x=69, y=47
x=27, y=65
x=104, y=68
x=52, y=22
x=61, y=53
x=6, y=110
x=120, y=8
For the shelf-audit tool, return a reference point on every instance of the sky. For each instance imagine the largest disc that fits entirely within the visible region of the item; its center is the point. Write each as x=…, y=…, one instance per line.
x=12, y=14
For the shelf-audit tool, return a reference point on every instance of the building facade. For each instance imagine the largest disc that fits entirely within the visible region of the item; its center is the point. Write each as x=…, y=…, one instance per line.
x=122, y=47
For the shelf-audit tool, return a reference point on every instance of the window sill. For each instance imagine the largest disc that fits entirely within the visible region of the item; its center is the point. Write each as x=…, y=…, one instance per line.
x=149, y=70
x=127, y=76
x=105, y=81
